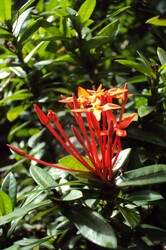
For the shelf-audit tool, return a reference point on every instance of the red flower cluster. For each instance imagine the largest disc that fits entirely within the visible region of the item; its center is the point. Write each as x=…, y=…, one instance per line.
x=98, y=131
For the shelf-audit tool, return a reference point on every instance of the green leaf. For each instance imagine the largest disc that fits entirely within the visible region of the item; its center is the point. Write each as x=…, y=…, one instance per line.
x=86, y=10
x=16, y=111
x=5, y=34
x=110, y=30
x=29, y=244
x=143, y=197
x=153, y=174
x=157, y=21
x=5, y=10
x=29, y=31
x=72, y=195
x=130, y=215
x=23, y=8
x=91, y=225
x=71, y=162
x=42, y=177
x=6, y=205
x=145, y=110
x=122, y=158
x=137, y=66
x=162, y=55
x=21, y=18
x=18, y=71
x=9, y=186
x=19, y=212
x=144, y=60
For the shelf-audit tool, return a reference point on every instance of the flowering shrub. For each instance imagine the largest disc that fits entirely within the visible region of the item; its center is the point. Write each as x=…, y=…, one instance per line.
x=99, y=131
x=112, y=192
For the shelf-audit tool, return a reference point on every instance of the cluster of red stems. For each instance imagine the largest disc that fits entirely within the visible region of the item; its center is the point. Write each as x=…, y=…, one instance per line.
x=98, y=130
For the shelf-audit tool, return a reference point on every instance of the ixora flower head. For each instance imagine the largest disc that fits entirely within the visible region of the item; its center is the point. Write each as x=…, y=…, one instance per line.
x=98, y=130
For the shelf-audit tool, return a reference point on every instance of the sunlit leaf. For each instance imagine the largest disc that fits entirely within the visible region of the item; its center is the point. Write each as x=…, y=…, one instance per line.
x=157, y=21
x=86, y=10
x=162, y=55
x=5, y=10
x=9, y=186
x=110, y=30
x=71, y=162
x=16, y=111
x=92, y=226
x=6, y=205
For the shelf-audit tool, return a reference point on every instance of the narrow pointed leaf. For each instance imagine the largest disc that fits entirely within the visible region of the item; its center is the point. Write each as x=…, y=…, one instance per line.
x=9, y=186
x=137, y=66
x=19, y=212
x=153, y=174
x=92, y=226
x=157, y=21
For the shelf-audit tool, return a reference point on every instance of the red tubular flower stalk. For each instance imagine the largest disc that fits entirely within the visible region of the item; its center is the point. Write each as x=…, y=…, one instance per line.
x=99, y=132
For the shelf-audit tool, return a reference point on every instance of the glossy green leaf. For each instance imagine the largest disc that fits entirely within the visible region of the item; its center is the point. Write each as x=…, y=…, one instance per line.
x=138, y=66
x=23, y=8
x=157, y=21
x=91, y=225
x=20, y=21
x=42, y=177
x=122, y=159
x=143, y=197
x=153, y=174
x=144, y=60
x=110, y=30
x=19, y=212
x=131, y=216
x=6, y=205
x=5, y=10
x=9, y=186
x=72, y=195
x=145, y=110
x=71, y=162
x=29, y=31
x=162, y=55
x=18, y=71
x=86, y=10
x=16, y=111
